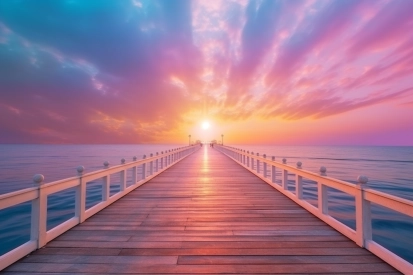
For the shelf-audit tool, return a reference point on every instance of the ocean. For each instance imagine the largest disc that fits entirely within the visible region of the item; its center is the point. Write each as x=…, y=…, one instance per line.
x=389, y=169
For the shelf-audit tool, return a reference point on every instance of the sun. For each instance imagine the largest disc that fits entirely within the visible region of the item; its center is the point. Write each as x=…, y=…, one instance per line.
x=205, y=125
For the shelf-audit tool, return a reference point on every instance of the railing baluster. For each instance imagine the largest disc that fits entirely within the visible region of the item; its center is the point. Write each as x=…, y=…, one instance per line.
x=39, y=214
x=134, y=172
x=265, y=166
x=363, y=214
x=322, y=198
x=299, y=183
x=80, y=199
x=106, y=184
x=122, y=177
x=122, y=180
x=151, y=166
x=258, y=164
x=157, y=163
x=252, y=161
x=285, y=179
x=273, y=171
x=144, y=168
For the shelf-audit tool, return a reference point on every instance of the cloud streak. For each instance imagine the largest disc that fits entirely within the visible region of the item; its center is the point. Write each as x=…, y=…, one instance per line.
x=145, y=71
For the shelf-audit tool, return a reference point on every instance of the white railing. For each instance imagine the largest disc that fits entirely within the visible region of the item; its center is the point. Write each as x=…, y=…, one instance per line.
x=39, y=235
x=363, y=199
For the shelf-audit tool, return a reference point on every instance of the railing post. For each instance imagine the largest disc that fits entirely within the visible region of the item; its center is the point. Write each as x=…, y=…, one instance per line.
x=322, y=198
x=273, y=175
x=161, y=160
x=151, y=166
x=299, y=183
x=363, y=214
x=157, y=163
x=122, y=180
x=265, y=166
x=134, y=172
x=252, y=161
x=285, y=179
x=80, y=199
x=122, y=177
x=106, y=184
x=39, y=214
x=285, y=176
x=144, y=168
x=322, y=193
x=258, y=164
x=248, y=159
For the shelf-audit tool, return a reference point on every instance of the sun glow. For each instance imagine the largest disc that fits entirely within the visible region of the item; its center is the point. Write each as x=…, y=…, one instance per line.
x=205, y=125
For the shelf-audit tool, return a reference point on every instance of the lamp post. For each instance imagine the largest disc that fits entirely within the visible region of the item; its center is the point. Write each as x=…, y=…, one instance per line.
x=222, y=139
x=189, y=137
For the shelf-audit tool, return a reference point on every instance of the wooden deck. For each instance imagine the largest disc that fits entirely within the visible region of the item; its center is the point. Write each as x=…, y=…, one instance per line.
x=204, y=215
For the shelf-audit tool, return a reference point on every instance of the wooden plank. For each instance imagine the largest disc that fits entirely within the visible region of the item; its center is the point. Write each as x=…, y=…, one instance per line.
x=202, y=216
x=193, y=269
x=245, y=251
x=76, y=259
x=262, y=259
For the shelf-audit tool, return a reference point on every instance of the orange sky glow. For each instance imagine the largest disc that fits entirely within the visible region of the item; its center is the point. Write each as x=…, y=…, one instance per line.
x=260, y=72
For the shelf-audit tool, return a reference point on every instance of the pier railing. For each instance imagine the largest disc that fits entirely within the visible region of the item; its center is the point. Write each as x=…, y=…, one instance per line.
x=148, y=167
x=266, y=170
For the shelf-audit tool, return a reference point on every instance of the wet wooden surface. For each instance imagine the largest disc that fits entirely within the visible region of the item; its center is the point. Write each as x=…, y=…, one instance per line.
x=204, y=215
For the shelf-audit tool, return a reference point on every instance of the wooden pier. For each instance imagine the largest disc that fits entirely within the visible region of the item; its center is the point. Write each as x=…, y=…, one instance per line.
x=207, y=215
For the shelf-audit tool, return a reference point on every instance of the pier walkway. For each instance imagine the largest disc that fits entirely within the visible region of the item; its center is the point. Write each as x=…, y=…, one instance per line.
x=206, y=214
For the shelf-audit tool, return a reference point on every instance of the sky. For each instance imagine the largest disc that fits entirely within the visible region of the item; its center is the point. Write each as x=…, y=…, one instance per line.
x=285, y=72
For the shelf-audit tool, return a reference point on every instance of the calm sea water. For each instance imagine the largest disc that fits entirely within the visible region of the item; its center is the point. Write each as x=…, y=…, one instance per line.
x=390, y=169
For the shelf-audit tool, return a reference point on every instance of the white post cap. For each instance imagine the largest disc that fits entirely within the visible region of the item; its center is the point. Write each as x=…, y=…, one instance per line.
x=80, y=169
x=323, y=170
x=362, y=179
x=38, y=178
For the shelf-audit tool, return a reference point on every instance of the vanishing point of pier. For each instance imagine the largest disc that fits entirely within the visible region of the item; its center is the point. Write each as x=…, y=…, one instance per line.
x=205, y=214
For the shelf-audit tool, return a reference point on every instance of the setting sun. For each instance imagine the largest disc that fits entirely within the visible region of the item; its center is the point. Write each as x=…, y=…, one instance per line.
x=205, y=125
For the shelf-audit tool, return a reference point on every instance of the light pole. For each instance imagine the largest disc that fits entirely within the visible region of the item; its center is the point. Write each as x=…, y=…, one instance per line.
x=222, y=139
x=189, y=137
